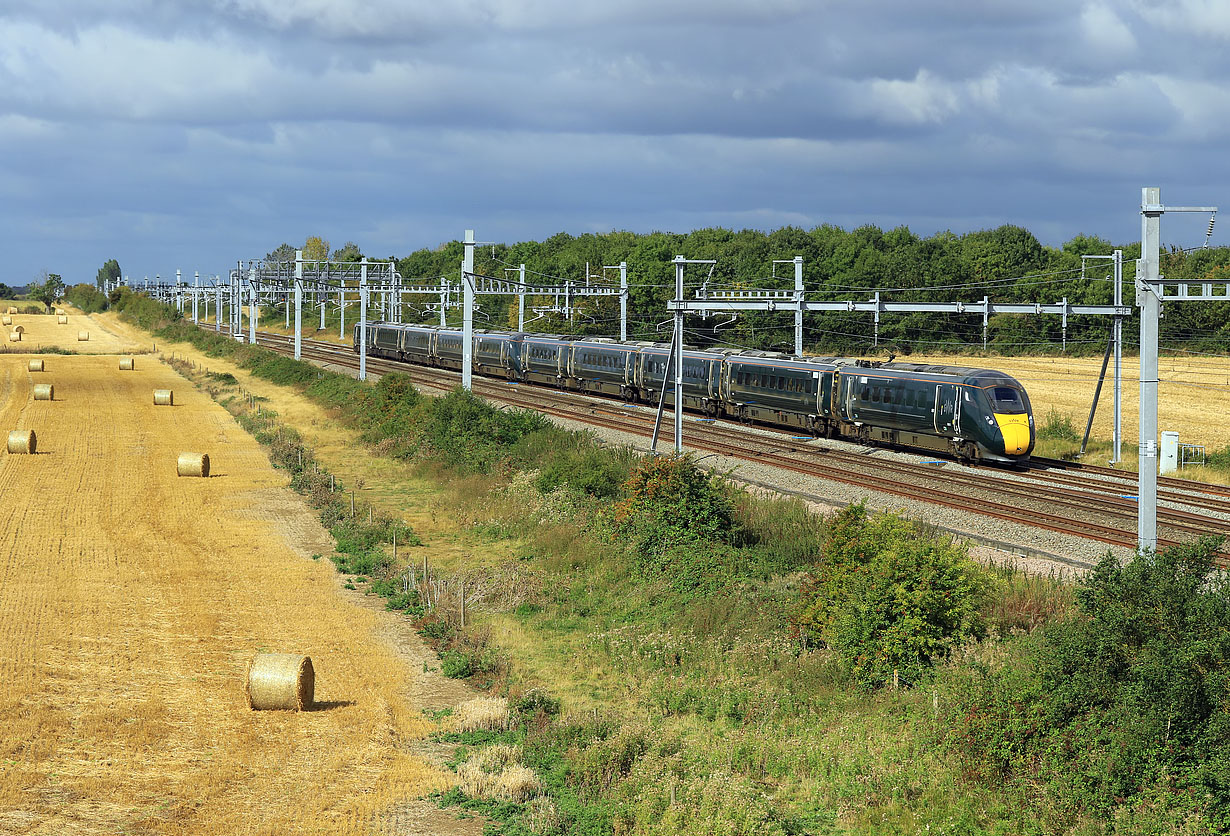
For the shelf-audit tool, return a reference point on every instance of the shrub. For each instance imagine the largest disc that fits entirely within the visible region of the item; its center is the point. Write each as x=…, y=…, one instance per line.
x=597, y=471
x=669, y=500
x=889, y=599
x=472, y=435
x=1128, y=701
x=455, y=665
x=1058, y=426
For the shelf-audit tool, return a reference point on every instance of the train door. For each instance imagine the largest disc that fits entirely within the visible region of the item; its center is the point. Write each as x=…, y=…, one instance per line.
x=947, y=409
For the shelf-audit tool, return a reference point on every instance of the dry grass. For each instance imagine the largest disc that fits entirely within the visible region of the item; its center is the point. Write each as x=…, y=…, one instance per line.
x=496, y=773
x=1194, y=394
x=482, y=714
x=104, y=338
x=131, y=603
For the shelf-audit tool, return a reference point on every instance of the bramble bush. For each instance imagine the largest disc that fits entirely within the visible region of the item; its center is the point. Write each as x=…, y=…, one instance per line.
x=1125, y=704
x=889, y=598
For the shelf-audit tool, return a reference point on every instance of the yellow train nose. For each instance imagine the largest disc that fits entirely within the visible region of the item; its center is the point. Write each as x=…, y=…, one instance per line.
x=1015, y=429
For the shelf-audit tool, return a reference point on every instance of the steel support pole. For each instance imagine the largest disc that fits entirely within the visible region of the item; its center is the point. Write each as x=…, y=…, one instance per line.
x=1117, y=433
x=252, y=310
x=798, y=313
x=679, y=267
x=321, y=295
x=1065, y=324
x=521, y=299
x=341, y=311
x=444, y=304
x=179, y=287
x=623, y=300
x=467, y=322
x=877, y=321
x=196, y=296
x=986, y=316
x=298, y=304
x=363, y=320
x=1147, y=291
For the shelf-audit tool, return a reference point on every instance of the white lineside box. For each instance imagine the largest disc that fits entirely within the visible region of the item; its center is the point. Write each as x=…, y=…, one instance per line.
x=1170, y=452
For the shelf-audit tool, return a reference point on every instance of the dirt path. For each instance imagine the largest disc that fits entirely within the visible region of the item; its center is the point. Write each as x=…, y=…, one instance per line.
x=130, y=603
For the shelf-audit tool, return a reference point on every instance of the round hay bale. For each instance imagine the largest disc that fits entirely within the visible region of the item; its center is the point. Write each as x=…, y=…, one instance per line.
x=127, y=364
x=163, y=397
x=193, y=464
x=61, y=320
x=82, y=336
x=44, y=392
x=35, y=366
x=284, y=681
x=61, y=312
x=22, y=441
x=6, y=320
x=14, y=336
x=20, y=329
x=11, y=310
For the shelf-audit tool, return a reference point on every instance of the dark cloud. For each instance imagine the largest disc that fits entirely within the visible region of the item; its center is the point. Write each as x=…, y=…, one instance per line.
x=197, y=133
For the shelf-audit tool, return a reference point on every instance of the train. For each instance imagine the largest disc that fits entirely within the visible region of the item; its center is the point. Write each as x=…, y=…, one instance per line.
x=975, y=415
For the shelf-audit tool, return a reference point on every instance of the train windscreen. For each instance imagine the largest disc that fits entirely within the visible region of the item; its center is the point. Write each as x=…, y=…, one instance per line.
x=1007, y=401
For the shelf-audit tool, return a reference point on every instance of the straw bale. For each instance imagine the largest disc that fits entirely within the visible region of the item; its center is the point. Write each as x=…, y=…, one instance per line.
x=61, y=320
x=193, y=464
x=61, y=312
x=163, y=397
x=11, y=310
x=280, y=681
x=6, y=320
x=14, y=336
x=20, y=329
x=35, y=366
x=82, y=336
x=127, y=364
x=22, y=441
x=44, y=392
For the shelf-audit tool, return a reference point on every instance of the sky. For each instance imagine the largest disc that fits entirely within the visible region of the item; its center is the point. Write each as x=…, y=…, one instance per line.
x=193, y=134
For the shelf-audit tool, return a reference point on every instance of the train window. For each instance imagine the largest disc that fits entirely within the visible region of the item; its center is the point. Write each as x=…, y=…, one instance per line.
x=900, y=396
x=1007, y=400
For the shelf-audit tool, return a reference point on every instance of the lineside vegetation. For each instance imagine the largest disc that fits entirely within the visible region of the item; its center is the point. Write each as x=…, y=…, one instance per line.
x=693, y=659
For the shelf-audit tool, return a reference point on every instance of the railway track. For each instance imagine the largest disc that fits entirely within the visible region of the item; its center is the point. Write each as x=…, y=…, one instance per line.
x=1078, y=500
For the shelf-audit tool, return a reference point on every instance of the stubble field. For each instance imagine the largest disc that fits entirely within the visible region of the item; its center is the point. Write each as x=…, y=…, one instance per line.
x=130, y=603
x=42, y=330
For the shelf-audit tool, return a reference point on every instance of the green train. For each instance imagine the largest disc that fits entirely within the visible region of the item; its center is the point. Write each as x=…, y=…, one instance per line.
x=972, y=414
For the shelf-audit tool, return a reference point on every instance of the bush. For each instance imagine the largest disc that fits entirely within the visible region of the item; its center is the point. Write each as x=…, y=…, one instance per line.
x=1127, y=702
x=472, y=435
x=669, y=500
x=1058, y=426
x=596, y=471
x=87, y=297
x=889, y=599
x=456, y=665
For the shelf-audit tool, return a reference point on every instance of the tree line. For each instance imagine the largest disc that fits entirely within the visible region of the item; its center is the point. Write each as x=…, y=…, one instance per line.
x=1006, y=264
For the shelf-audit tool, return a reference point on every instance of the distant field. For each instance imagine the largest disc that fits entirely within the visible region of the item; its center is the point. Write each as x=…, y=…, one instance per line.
x=44, y=330
x=1194, y=394
x=131, y=602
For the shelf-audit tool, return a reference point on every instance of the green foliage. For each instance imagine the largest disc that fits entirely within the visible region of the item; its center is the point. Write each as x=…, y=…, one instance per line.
x=1128, y=702
x=472, y=435
x=87, y=297
x=48, y=291
x=889, y=599
x=1058, y=426
x=456, y=665
x=597, y=471
x=109, y=272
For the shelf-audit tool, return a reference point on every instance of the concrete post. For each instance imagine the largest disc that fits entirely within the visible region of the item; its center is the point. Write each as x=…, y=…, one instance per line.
x=1147, y=298
x=467, y=322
